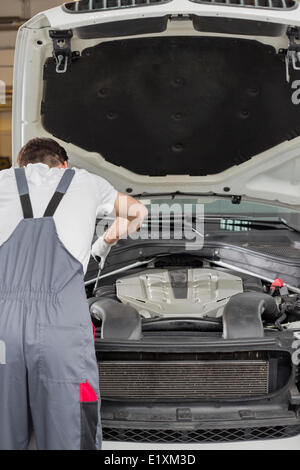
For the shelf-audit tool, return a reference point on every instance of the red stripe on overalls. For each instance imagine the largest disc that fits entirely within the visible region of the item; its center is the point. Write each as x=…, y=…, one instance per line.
x=87, y=393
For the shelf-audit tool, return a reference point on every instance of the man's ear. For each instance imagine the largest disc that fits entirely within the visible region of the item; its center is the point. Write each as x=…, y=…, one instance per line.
x=65, y=164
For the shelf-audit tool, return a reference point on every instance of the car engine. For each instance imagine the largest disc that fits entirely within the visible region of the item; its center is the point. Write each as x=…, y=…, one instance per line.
x=179, y=298
x=179, y=292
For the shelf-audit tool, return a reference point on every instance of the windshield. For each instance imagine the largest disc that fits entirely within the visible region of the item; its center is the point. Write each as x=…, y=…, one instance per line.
x=218, y=207
x=230, y=216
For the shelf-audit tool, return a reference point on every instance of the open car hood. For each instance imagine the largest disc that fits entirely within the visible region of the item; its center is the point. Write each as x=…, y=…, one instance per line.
x=176, y=96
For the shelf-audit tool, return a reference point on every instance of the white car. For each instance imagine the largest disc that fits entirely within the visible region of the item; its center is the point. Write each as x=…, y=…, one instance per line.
x=194, y=103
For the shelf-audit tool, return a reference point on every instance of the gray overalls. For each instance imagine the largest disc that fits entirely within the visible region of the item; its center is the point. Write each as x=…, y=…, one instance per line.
x=48, y=373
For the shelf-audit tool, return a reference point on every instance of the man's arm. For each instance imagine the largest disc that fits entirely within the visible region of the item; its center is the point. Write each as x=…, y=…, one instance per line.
x=130, y=215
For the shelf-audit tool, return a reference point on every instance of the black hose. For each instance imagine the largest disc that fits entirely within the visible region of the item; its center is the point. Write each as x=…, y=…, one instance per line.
x=244, y=314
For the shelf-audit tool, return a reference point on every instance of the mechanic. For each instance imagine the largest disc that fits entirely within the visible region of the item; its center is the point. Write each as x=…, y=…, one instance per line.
x=49, y=379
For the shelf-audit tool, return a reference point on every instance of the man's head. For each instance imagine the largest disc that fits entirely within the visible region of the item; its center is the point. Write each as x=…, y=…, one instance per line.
x=41, y=150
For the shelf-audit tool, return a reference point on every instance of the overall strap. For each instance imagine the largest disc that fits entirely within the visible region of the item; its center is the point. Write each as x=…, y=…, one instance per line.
x=24, y=193
x=60, y=192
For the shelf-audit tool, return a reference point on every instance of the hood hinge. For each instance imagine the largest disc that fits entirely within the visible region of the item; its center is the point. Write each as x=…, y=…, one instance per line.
x=292, y=57
x=62, y=52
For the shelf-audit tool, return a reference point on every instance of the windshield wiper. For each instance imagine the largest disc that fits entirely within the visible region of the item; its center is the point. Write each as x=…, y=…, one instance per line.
x=291, y=227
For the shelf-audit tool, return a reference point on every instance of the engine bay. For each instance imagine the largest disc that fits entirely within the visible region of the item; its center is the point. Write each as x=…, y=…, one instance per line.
x=201, y=298
x=183, y=330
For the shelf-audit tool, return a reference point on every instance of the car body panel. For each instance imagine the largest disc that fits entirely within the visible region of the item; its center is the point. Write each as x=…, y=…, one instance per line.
x=272, y=175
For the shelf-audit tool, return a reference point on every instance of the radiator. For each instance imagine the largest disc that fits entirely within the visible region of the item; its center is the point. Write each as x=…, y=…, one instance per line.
x=183, y=379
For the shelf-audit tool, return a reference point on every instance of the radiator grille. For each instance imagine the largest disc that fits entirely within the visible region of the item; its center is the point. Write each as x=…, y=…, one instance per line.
x=200, y=435
x=84, y=6
x=267, y=4
x=183, y=379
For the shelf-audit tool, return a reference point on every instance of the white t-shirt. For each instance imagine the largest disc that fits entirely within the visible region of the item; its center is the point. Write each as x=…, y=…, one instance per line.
x=88, y=197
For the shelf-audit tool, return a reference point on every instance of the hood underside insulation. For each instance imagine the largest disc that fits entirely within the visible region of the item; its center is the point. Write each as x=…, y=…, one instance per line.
x=173, y=105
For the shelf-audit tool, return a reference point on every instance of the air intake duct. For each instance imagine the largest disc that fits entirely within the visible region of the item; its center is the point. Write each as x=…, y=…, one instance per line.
x=118, y=321
x=244, y=314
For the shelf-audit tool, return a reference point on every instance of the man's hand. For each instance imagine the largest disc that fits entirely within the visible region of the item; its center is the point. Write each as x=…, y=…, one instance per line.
x=130, y=215
x=100, y=251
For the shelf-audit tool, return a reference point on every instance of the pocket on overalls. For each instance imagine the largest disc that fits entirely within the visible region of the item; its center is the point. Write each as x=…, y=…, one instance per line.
x=62, y=353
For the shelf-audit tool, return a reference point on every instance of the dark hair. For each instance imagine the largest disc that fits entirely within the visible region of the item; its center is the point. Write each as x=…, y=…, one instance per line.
x=42, y=150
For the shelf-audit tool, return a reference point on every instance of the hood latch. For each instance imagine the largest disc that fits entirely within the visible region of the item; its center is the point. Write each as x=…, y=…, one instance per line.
x=62, y=52
x=292, y=58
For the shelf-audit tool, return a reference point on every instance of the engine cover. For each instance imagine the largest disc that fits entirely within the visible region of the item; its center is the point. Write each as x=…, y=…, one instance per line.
x=188, y=292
